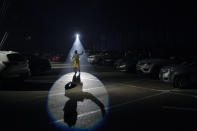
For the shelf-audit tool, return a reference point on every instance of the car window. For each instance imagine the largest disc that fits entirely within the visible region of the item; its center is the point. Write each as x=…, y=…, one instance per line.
x=186, y=62
x=194, y=64
x=16, y=57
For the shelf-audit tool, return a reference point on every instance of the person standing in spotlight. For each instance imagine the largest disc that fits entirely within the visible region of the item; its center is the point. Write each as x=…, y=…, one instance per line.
x=76, y=58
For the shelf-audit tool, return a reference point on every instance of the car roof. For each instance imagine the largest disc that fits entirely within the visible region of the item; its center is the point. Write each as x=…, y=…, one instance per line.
x=7, y=52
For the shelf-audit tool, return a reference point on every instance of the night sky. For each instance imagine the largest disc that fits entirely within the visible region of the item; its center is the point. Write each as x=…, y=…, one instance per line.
x=135, y=24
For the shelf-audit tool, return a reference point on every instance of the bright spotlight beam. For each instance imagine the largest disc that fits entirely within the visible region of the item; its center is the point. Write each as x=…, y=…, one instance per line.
x=77, y=36
x=77, y=45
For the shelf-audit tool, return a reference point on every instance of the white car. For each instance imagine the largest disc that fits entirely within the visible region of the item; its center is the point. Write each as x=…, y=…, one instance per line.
x=151, y=66
x=165, y=73
x=13, y=64
x=94, y=59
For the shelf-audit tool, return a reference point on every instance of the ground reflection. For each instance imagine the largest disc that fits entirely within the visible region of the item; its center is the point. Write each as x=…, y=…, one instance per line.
x=73, y=90
x=78, y=102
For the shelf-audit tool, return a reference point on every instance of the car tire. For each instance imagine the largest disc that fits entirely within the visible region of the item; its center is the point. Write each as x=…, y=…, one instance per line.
x=22, y=78
x=155, y=73
x=181, y=82
x=1, y=83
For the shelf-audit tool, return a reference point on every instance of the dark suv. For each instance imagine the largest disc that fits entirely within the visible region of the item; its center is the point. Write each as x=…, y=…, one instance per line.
x=184, y=75
x=167, y=70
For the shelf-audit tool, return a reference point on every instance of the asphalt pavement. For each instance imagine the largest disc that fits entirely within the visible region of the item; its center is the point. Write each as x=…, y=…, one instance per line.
x=103, y=99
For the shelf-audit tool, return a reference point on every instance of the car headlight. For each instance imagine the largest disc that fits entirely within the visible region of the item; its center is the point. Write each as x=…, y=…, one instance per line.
x=122, y=66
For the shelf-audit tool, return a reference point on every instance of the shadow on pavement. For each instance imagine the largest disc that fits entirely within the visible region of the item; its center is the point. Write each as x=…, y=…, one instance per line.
x=73, y=90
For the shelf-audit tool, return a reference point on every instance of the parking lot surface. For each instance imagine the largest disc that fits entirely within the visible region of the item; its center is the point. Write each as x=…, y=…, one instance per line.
x=107, y=100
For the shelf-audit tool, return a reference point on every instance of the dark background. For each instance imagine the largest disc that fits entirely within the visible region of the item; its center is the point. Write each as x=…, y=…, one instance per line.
x=151, y=25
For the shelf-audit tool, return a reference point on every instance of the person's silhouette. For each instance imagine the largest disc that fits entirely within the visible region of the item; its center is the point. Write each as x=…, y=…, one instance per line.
x=73, y=90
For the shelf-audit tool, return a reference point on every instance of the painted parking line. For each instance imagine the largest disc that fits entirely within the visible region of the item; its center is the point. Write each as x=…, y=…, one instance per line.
x=130, y=85
x=41, y=81
x=61, y=67
x=82, y=78
x=183, y=94
x=134, y=81
x=137, y=100
x=117, y=105
x=60, y=64
x=53, y=81
x=83, y=114
x=62, y=93
x=66, y=66
x=179, y=108
x=90, y=79
x=172, y=91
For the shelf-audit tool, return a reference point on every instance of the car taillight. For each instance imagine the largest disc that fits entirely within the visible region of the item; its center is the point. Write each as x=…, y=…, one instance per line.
x=9, y=63
x=5, y=63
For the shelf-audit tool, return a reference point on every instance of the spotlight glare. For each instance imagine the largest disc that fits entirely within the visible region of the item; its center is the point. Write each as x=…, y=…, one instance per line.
x=77, y=36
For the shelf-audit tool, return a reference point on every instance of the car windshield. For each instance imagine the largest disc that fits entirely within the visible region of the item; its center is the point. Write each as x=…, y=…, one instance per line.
x=131, y=57
x=187, y=62
x=16, y=57
x=194, y=63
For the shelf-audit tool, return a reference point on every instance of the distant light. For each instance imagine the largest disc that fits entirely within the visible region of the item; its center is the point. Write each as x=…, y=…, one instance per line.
x=77, y=36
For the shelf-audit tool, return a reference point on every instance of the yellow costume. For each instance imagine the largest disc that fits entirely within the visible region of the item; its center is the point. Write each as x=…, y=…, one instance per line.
x=76, y=59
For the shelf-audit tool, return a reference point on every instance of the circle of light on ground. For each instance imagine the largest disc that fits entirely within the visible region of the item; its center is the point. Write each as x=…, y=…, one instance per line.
x=89, y=114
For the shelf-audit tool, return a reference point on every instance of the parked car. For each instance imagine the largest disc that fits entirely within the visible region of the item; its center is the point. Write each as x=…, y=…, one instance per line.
x=59, y=58
x=151, y=66
x=56, y=58
x=109, y=58
x=13, y=64
x=95, y=59
x=118, y=62
x=184, y=75
x=89, y=52
x=166, y=71
x=126, y=64
x=38, y=65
